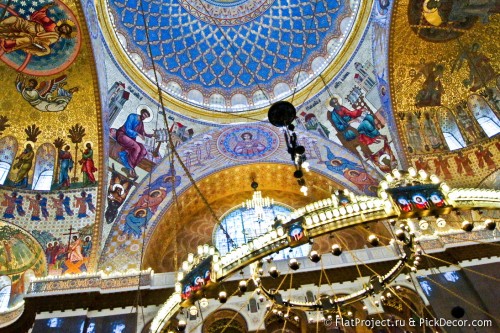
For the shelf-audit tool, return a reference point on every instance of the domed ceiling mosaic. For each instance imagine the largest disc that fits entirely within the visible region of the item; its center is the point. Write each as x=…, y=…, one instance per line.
x=234, y=55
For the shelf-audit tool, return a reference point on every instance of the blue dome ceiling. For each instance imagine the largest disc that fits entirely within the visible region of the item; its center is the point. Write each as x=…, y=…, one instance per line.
x=233, y=48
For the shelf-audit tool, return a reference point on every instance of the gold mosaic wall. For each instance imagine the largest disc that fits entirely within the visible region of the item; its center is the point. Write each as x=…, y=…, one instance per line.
x=434, y=70
x=64, y=96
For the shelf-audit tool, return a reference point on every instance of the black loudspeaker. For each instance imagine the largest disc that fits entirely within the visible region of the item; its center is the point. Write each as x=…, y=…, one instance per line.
x=281, y=113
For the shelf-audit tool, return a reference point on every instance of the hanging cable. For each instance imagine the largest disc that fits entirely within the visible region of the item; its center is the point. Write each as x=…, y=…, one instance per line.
x=173, y=150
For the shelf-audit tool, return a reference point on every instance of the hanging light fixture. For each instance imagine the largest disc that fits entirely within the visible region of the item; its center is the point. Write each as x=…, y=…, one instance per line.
x=257, y=203
x=281, y=114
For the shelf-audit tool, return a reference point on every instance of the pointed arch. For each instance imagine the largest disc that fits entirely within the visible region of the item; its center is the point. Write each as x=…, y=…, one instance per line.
x=484, y=114
x=450, y=129
x=8, y=151
x=44, y=167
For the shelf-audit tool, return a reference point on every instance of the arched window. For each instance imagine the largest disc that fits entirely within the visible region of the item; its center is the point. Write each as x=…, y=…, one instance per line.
x=242, y=226
x=5, y=285
x=484, y=115
x=28, y=275
x=44, y=167
x=310, y=296
x=451, y=132
x=253, y=306
x=8, y=150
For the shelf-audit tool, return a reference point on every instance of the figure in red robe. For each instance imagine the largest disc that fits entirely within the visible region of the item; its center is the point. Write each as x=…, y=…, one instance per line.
x=404, y=205
x=34, y=36
x=422, y=164
x=87, y=163
x=463, y=164
x=442, y=167
x=485, y=156
x=151, y=199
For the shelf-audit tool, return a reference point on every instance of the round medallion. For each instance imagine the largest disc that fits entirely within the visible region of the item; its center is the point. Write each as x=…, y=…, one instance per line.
x=226, y=13
x=41, y=39
x=248, y=143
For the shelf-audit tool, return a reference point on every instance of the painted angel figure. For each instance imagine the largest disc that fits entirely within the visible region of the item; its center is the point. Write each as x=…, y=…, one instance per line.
x=36, y=35
x=81, y=204
x=10, y=203
x=89, y=202
x=432, y=88
x=34, y=206
x=480, y=69
x=45, y=96
x=67, y=206
x=118, y=189
x=57, y=204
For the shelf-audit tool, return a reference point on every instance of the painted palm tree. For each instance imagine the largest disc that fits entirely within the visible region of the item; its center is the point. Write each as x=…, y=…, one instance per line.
x=76, y=134
x=3, y=124
x=32, y=132
x=58, y=143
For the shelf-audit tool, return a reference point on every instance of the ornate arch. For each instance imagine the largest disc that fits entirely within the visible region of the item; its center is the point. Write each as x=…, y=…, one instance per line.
x=450, y=129
x=8, y=151
x=225, y=320
x=44, y=167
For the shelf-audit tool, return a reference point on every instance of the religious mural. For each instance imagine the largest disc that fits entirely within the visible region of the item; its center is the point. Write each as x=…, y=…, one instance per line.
x=41, y=38
x=50, y=140
x=446, y=92
x=250, y=143
x=138, y=215
x=52, y=215
x=440, y=21
x=21, y=256
x=353, y=110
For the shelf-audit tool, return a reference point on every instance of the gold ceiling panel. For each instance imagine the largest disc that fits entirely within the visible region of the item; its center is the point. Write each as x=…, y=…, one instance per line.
x=441, y=74
x=224, y=190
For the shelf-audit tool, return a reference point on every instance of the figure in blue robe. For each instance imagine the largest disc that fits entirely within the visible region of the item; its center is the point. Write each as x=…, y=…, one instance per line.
x=43, y=208
x=165, y=181
x=66, y=165
x=67, y=206
x=351, y=171
x=88, y=200
x=19, y=205
x=342, y=164
x=340, y=118
x=87, y=245
x=136, y=220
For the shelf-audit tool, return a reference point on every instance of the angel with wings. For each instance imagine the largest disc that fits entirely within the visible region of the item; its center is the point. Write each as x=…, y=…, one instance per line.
x=432, y=88
x=47, y=96
x=118, y=189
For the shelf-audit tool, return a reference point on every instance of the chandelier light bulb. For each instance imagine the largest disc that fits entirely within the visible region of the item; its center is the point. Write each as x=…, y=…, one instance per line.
x=490, y=224
x=203, y=302
x=193, y=310
x=441, y=223
x=303, y=189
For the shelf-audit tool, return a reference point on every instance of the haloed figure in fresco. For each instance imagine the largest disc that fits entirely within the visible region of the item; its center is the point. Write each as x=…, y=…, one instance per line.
x=46, y=95
x=66, y=162
x=126, y=136
x=248, y=146
x=87, y=163
x=34, y=36
x=24, y=164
